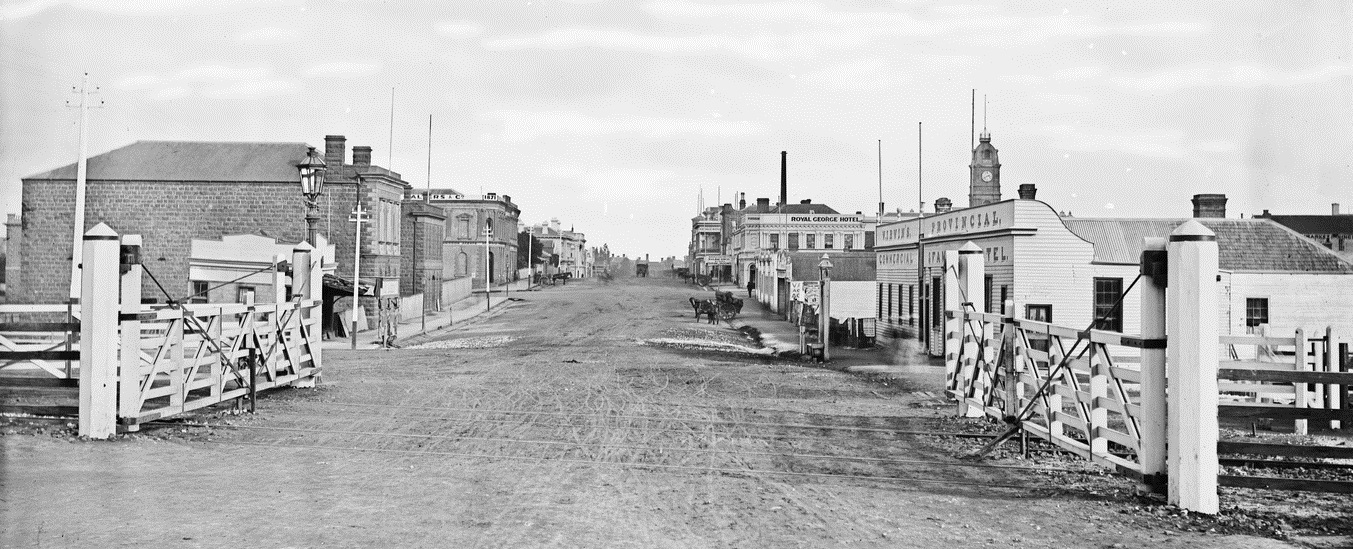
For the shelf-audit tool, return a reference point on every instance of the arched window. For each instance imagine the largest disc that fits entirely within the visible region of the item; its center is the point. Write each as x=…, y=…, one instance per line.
x=986, y=155
x=462, y=262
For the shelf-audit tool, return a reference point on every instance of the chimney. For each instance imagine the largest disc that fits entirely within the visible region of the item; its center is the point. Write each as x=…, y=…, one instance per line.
x=806, y=201
x=1027, y=191
x=943, y=205
x=334, y=153
x=762, y=205
x=507, y=198
x=1209, y=205
x=361, y=156
x=1334, y=208
x=784, y=177
x=742, y=201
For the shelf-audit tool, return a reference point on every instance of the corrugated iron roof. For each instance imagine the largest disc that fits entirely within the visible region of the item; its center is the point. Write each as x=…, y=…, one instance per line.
x=190, y=161
x=846, y=265
x=1243, y=244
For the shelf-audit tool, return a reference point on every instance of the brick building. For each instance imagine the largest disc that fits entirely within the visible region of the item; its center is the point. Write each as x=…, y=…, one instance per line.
x=172, y=192
x=424, y=227
x=1334, y=231
x=463, y=235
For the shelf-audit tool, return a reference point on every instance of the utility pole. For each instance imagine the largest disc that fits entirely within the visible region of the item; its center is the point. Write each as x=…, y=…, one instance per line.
x=80, y=173
x=359, y=216
x=488, y=280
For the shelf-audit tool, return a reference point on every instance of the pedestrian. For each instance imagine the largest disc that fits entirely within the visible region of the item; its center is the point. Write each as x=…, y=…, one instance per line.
x=751, y=287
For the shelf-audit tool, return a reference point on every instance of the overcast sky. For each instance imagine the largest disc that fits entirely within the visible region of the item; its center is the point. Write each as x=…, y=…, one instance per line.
x=612, y=115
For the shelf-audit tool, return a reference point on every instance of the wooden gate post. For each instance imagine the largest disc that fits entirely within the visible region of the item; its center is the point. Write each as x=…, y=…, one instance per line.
x=1192, y=368
x=301, y=288
x=98, y=333
x=972, y=291
x=129, y=359
x=1333, y=399
x=1152, y=422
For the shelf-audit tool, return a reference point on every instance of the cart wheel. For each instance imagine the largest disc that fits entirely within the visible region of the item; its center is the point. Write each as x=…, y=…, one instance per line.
x=725, y=314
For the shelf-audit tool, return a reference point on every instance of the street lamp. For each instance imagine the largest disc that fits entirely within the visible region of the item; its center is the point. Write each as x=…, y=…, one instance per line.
x=824, y=269
x=312, y=185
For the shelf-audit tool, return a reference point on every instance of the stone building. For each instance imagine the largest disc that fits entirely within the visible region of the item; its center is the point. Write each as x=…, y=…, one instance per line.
x=463, y=241
x=424, y=231
x=569, y=245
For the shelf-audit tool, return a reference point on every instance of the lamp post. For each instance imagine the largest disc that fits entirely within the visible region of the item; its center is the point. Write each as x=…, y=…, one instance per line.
x=824, y=269
x=312, y=185
x=358, y=217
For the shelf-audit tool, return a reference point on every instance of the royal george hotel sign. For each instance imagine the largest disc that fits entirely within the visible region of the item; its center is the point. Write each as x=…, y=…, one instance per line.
x=824, y=219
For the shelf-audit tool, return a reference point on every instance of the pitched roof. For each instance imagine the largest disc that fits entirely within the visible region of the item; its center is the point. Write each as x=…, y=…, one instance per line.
x=1315, y=224
x=190, y=161
x=805, y=208
x=1243, y=244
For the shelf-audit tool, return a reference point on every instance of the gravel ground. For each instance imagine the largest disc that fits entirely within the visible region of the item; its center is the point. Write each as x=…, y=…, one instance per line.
x=593, y=415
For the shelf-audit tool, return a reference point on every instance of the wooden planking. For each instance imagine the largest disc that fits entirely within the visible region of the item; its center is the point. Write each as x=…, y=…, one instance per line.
x=1287, y=450
x=1256, y=365
x=56, y=327
x=1233, y=339
x=1282, y=412
x=40, y=355
x=1279, y=483
x=1289, y=376
x=25, y=381
x=40, y=410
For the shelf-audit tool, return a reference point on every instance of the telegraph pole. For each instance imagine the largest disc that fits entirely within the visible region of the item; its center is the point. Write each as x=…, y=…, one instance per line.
x=80, y=174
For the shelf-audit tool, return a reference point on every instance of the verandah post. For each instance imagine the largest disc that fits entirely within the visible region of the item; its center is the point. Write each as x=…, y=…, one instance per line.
x=129, y=371
x=1192, y=368
x=98, y=332
x=1152, y=423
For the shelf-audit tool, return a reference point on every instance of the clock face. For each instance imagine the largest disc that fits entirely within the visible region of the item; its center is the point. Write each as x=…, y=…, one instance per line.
x=986, y=176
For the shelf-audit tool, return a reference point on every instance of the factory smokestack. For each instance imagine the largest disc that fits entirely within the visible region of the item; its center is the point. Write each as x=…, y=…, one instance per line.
x=784, y=178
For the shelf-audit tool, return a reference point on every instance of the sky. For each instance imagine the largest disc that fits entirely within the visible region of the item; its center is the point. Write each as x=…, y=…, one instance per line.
x=614, y=116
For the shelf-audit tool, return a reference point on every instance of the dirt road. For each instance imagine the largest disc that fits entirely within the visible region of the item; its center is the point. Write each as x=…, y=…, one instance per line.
x=586, y=415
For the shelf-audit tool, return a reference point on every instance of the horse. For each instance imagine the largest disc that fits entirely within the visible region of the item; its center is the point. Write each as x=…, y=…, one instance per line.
x=704, y=307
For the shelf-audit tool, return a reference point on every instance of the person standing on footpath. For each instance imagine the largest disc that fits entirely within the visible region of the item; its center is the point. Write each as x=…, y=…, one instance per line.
x=751, y=286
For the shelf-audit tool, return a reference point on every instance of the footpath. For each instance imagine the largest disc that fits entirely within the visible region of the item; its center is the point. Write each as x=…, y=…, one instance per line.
x=475, y=305
x=905, y=363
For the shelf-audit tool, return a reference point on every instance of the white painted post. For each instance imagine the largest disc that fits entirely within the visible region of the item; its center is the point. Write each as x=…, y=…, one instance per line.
x=1302, y=397
x=1015, y=390
x=301, y=289
x=951, y=328
x=279, y=280
x=1152, y=423
x=972, y=335
x=129, y=352
x=1192, y=368
x=98, y=332
x=1099, y=391
x=1333, y=393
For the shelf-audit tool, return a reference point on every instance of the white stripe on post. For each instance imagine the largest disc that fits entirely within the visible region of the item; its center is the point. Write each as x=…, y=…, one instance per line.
x=972, y=288
x=98, y=332
x=1192, y=368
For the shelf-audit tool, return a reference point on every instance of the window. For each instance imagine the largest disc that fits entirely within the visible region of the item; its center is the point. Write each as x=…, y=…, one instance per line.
x=882, y=312
x=463, y=227
x=1038, y=313
x=775, y=242
x=911, y=305
x=199, y=292
x=989, y=286
x=986, y=154
x=793, y=241
x=1005, y=295
x=899, y=302
x=889, y=302
x=827, y=241
x=812, y=241
x=850, y=242
x=462, y=263
x=936, y=302
x=245, y=295
x=1108, y=316
x=1256, y=312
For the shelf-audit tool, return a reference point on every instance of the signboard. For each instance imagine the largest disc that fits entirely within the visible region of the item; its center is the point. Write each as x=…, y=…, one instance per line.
x=807, y=292
x=824, y=219
x=718, y=260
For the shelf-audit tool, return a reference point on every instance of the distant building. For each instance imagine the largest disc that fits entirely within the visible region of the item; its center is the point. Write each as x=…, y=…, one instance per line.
x=569, y=245
x=463, y=243
x=1334, y=231
x=1070, y=271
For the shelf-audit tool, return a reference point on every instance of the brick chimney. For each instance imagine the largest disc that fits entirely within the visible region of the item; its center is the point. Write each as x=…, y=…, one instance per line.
x=742, y=201
x=784, y=177
x=1334, y=208
x=1027, y=191
x=806, y=201
x=361, y=156
x=334, y=152
x=762, y=205
x=1209, y=205
x=943, y=205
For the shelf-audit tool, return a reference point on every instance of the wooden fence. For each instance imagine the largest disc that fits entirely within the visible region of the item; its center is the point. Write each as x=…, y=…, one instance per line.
x=1103, y=395
x=134, y=363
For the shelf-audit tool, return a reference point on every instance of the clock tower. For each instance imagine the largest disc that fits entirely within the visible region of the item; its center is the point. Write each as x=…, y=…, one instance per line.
x=985, y=184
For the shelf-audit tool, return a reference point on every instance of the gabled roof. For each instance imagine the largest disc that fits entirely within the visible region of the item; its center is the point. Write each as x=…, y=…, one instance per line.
x=1315, y=224
x=819, y=209
x=190, y=161
x=1243, y=244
